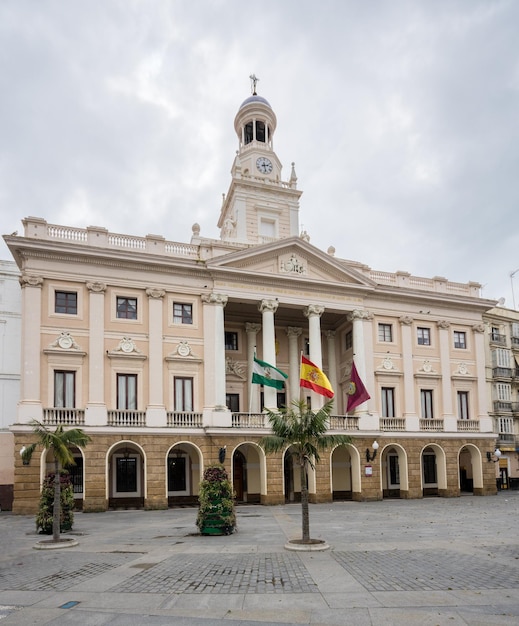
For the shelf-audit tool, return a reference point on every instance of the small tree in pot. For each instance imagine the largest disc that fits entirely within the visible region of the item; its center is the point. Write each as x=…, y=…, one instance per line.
x=216, y=514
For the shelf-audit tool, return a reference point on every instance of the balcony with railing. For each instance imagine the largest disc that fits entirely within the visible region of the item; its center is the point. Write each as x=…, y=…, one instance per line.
x=63, y=417
x=392, y=423
x=431, y=425
x=502, y=406
x=344, y=423
x=515, y=343
x=468, y=426
x=497, y=338
x=502, y=372
x=126, y=418
x=249, y=420
x=184, y=419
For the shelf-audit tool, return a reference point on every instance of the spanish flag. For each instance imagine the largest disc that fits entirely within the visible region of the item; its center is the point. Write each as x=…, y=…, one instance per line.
x=315, y=379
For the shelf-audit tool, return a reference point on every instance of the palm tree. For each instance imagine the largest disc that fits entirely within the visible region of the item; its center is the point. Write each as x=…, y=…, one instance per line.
x=304, y=431
x=60, y=442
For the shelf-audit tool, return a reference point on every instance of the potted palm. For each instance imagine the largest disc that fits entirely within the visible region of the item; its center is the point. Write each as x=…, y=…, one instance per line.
x=216, y=514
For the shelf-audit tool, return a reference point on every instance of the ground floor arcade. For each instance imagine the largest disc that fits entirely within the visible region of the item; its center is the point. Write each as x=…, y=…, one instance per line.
x=157, y=471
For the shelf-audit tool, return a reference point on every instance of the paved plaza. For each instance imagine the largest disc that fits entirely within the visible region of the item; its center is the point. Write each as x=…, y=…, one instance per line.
x=434, y=561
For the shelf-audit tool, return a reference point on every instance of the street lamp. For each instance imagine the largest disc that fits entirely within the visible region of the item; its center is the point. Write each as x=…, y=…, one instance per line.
x=371, y=457
x=496, y=454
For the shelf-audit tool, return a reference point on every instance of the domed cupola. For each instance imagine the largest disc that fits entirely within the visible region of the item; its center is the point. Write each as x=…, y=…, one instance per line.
x=255, y=121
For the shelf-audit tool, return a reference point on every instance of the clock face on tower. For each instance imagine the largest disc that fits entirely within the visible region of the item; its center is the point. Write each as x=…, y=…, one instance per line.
x=264, y=165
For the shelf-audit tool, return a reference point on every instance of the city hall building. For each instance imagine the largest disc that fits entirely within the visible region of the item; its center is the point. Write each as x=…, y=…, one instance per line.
x=148, y=344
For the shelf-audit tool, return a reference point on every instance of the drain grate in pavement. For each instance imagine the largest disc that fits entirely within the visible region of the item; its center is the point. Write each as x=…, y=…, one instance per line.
x=45, y=573
x=426, y=570
x=223, y=574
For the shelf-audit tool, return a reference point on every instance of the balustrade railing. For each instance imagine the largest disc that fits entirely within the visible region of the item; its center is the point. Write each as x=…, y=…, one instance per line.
x=249, y=420
x=468, y=426
x=392, y=423
x=126, y=418
x=63, y=416
x=184, y=419
x=343, y=422
x=431, y=424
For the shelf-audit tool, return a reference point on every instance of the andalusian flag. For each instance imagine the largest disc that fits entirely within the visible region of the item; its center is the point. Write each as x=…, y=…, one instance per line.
x=268, y=375
x=315, y=379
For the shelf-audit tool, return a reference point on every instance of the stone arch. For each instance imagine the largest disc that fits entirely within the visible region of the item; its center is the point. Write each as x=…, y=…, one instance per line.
x=470, y=468
x=126, y=475
x=439, y=486
x=345, y=472
x=394, y=474
x=249, y=473
x=183, y=471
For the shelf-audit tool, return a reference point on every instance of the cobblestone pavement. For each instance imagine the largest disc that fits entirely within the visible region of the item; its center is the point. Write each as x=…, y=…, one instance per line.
x=432, y=561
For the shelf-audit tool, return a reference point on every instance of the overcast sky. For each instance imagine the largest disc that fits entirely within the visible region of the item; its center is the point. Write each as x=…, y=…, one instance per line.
x=402, y=118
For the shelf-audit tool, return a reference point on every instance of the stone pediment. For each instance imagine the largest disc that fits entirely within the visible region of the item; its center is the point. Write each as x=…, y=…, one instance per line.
x=291, y=258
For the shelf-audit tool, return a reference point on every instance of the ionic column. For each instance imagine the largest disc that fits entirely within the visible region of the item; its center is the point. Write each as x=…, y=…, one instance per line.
x=96, y=405
x=293, y=334
x=445, y=366
x=30, y=406
x=406, y=323
x=267, y=309
x=156, y=410
x=252, y=331
x=332, y=366
x=313, y=313
x=214, y=351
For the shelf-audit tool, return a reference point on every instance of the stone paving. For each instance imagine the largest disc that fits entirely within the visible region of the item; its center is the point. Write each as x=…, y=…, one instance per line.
x=432, y=561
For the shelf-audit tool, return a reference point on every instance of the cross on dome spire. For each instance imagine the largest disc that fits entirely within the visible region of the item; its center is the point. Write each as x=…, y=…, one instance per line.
x=254, y=82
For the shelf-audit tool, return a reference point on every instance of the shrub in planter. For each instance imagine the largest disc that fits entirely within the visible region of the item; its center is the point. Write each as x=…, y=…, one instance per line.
x=216, y=514
x=45, y=511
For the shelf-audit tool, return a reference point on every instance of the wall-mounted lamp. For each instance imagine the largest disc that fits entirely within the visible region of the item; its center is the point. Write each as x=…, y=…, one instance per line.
x=24, y=461
x=221, y=454
x=371, y=457
x=496, y=454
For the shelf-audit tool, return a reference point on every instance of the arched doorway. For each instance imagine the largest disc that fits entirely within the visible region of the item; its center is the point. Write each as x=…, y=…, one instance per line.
x=434, y=471
x=239, y=476
x=342, y=479
x=393, y=471
x=470, y=470
x=292, y=477
x=247, y=463
x=183, y=474
x=126, y=476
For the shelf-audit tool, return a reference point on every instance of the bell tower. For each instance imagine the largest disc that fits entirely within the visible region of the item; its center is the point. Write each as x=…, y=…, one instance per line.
x=259, y=207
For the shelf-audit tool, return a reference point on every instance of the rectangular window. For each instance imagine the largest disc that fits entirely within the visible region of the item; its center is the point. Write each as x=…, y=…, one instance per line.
x=349, y=340
x=231, y=340
x=388, y=402
x=64, y=389
x=183, y=393
x=127, y=392
x=65, y=302
x=463, y=405
x=460, y=339
x=126, y=475
x=426, y=399
x=182, y=313
x=232, y=401
x=495, y=333
x=126, y=308
x=385, y=332
x=501, y=358
x=424, y=336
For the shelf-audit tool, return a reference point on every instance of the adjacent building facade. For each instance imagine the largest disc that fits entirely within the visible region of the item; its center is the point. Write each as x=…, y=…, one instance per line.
x=147, y=345
x=503, y=390
x=10, y=325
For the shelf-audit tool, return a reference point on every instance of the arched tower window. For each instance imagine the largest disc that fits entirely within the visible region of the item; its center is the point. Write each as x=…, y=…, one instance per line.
x=260, y=131
x=248, y=134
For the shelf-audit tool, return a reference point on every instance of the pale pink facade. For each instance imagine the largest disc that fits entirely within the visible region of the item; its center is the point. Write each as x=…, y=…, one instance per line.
x=147, y=344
